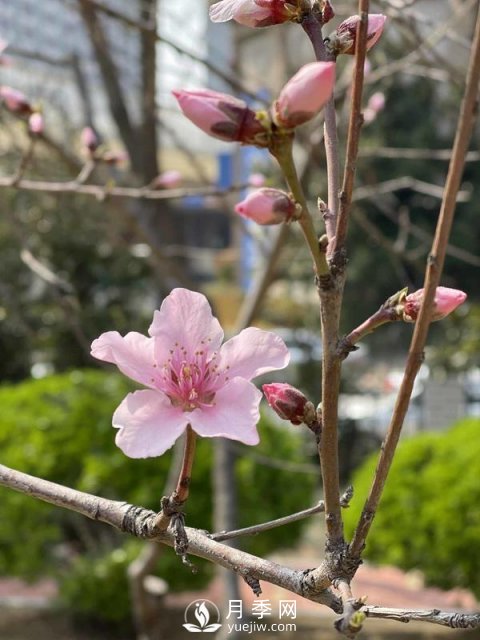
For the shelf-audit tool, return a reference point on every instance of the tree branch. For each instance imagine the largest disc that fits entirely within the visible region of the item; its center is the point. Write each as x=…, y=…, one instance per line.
x=141, y=523
x=434, y=269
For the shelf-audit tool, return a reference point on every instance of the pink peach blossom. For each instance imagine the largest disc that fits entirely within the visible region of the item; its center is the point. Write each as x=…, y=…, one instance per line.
x=304, y=94
x=253, y=13
x=190, y=378
x=343, y=39
x=222, y=116
x=15, y=101
x=267, y=206
x=446, y=300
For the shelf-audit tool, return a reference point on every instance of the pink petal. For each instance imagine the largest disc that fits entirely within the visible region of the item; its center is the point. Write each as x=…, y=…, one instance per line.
x=234, y=415
x=133, y=354
x=185, y=317
x=149, y=424
x=252, y=353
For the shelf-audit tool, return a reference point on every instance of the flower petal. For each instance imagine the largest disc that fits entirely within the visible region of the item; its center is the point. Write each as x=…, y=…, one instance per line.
x=252, y=353
x=234, y=415
x=185, y=317
x=148, y=423
x=133, y=354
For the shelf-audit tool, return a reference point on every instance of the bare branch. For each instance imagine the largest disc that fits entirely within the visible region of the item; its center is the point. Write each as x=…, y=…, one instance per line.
x=434, y=269
x=141, y=523
x=435, y=616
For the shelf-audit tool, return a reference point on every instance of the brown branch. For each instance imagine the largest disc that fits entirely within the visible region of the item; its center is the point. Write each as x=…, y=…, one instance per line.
x=141, y=523
x=354, y=126
x=279, y=522
x=434, y=269
x=435, y=616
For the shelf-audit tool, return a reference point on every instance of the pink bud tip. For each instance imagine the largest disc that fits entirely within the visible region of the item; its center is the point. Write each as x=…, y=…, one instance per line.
x=36, y=124
x=15, y=101
x=222, y=116
x=256, y=180
x=267, y=206
x=168, y=180
x=446, y=300
x=344, y=38
x=304, y=94
x=254, y=13
x=374, y=106
x=89, y=139
x=287, y=402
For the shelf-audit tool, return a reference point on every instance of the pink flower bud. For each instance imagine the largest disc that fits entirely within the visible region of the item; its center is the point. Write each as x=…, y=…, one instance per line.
x=254, y=13
x=445, y=301
x=222, y=116
x=89, y=139
x=15, y=101
x=304, y=95
x=167, y=180
x=287, y=402
x=267, y=206
x=343, y=39
x=256, y=180
x=36, y=124
x=374, y=106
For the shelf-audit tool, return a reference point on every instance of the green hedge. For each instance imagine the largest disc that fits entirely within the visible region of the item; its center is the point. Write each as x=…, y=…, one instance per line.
x=59, y=428
x=429, y=516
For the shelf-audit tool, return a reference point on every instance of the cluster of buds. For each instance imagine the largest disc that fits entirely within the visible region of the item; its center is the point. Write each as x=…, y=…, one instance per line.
x=344, y=38
x=268, y=206
x=289, y=403
x=17, y=103
x=92, y=149
x=230, y=119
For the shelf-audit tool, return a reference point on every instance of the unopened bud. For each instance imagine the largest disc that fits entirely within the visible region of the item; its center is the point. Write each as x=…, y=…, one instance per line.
x=343, y=40
x=267, y=206
x=289, y=403
x=446, y=300
x=223, y=116
x=89, y=139
x=15, y=101
x=255, y=13
x=169, y=179
x=326, y=11
x=35, y=124
x=304, y=94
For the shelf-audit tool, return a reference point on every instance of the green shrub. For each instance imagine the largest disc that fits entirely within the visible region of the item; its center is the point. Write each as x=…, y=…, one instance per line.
x=59, y=428
x=428, y=517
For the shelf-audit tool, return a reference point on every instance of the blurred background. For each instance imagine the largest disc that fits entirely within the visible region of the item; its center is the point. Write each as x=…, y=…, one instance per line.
x=74, y=264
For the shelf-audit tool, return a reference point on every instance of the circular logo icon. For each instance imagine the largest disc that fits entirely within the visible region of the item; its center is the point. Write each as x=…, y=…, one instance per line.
x=202, y=616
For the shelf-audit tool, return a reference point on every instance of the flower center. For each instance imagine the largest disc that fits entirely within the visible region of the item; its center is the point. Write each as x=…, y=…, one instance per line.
x=190, y=381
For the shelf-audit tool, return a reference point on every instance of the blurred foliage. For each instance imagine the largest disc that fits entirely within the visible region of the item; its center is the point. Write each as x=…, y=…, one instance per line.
x=59, y=428
x=428, y=517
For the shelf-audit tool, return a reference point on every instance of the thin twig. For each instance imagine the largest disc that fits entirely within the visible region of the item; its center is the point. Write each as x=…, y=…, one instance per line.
x=434, y=269
x=354, y=126
x=435, y=616
x=313, y=29
x=279, y=522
